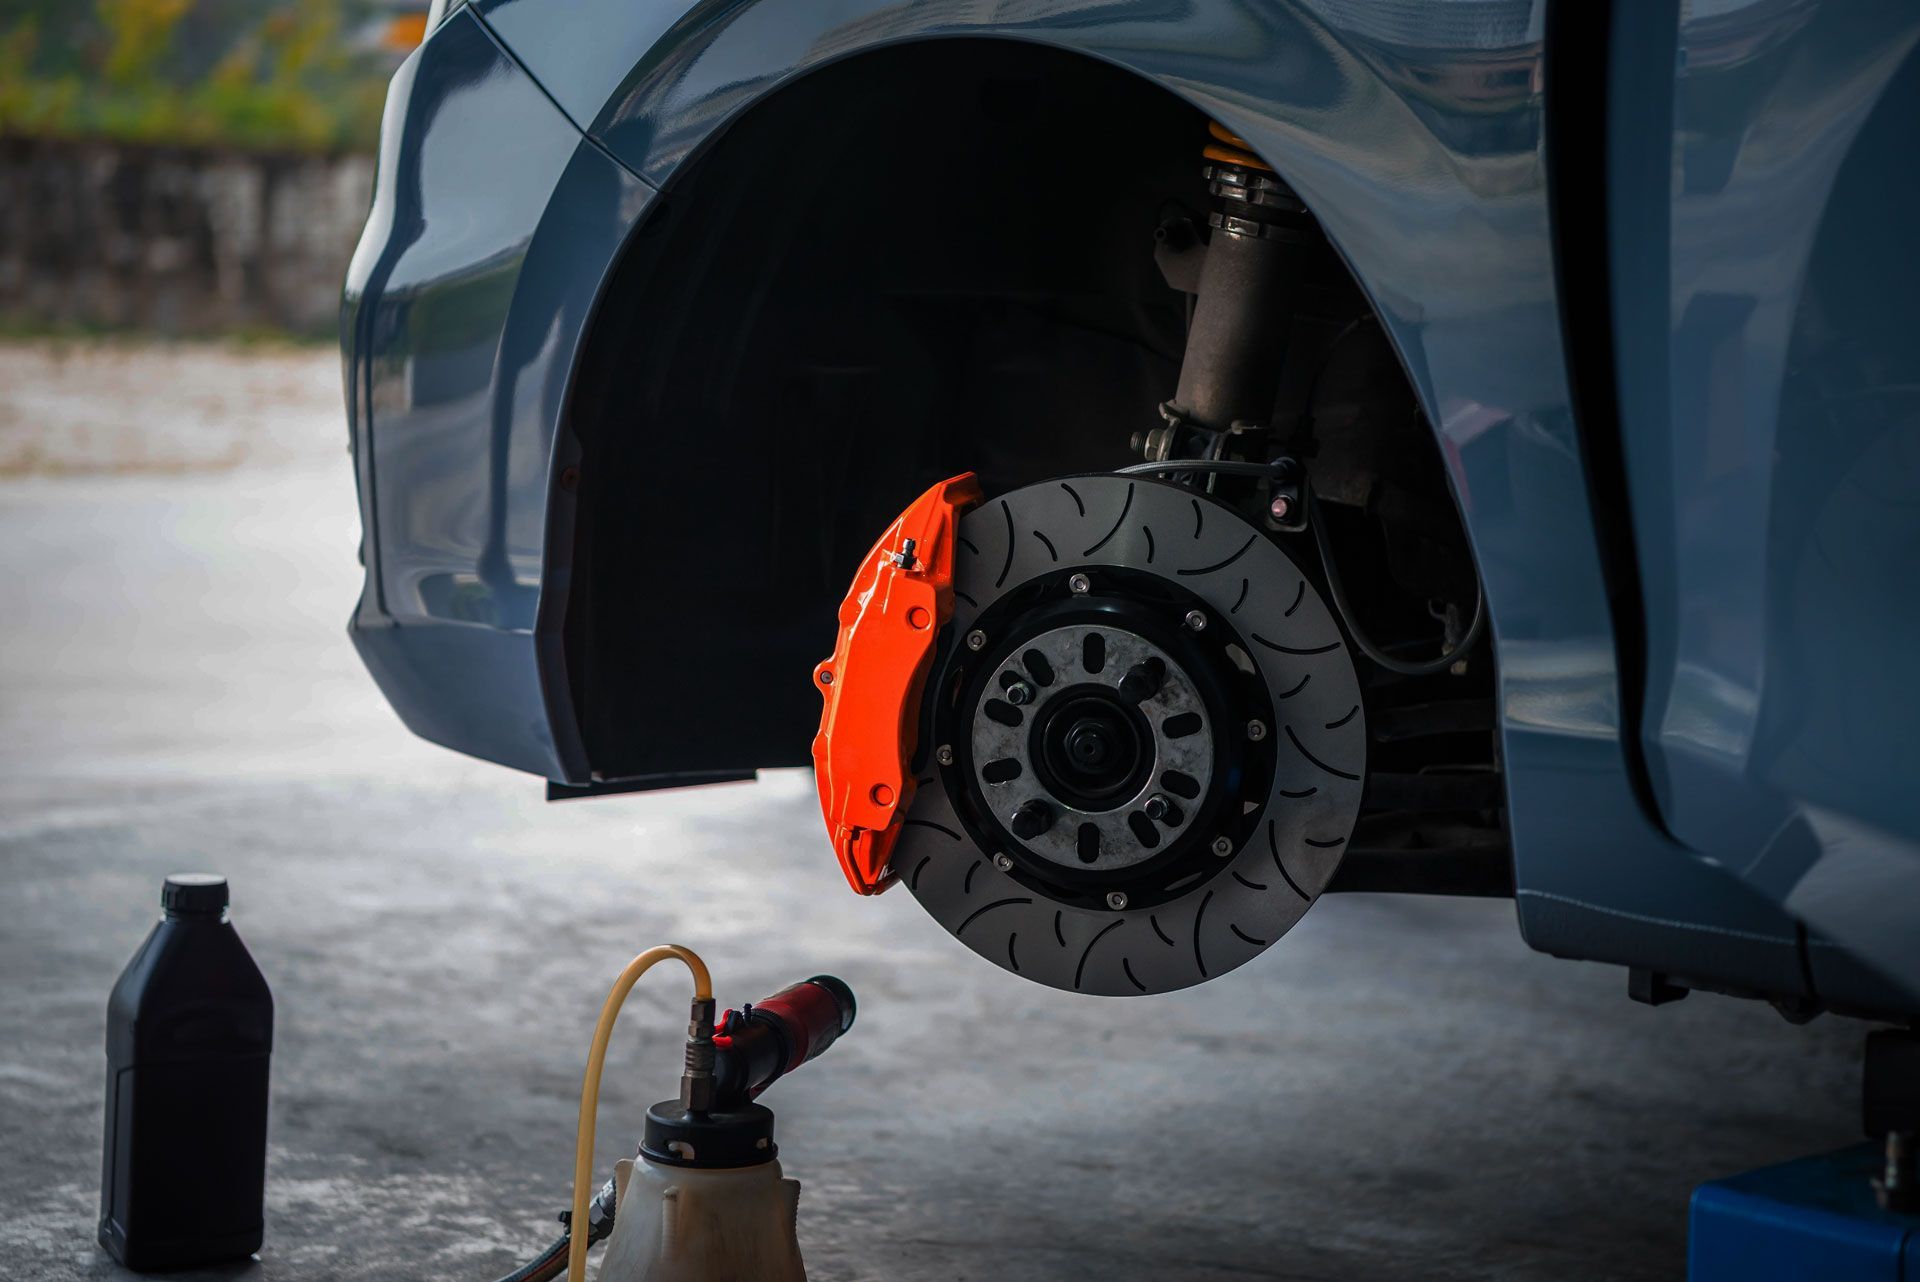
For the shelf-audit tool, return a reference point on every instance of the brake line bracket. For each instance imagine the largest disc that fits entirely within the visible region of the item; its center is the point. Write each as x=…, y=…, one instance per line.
x=890, y=622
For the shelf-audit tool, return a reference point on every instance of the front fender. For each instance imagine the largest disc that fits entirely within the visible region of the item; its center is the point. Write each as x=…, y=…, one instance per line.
x=492, y=227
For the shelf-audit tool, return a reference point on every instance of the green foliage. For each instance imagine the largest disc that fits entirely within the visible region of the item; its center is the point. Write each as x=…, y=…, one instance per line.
x=141, y=32
x=190, y=71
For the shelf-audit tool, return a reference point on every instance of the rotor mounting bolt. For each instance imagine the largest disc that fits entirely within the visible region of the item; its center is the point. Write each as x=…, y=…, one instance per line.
x=1116, y=899
x=1032, y=819
x=1003, y=862
x=1196, y=621
x=976, y=640
x=1256, y=730
x=1019, y=694
x=1079, y=585
x=1223, y=846
x=944, y=754
x=1156, y=807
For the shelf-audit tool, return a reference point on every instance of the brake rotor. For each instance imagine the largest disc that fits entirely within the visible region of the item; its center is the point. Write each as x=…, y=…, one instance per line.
x=1142, y=752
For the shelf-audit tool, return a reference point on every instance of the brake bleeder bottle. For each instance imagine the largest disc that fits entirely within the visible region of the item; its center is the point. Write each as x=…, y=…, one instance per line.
x=189, y=1032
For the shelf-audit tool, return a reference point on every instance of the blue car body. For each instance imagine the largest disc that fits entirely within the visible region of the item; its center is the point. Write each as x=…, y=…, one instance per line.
x=1662, y=316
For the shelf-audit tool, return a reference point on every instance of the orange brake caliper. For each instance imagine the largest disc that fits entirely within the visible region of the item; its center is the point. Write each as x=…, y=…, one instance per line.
x=901, y=597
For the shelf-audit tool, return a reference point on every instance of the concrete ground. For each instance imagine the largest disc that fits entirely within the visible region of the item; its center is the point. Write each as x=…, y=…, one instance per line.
x=1400, y=1089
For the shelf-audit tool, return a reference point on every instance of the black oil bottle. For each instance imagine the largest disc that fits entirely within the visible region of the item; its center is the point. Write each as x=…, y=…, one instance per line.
x=189, y=1031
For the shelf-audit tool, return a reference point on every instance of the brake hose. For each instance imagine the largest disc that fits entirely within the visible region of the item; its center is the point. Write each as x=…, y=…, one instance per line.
x=1335, y=588
x=1426, y=667
x=1227, y=466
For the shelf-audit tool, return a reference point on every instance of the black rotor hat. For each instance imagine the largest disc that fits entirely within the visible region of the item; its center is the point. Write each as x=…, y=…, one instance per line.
x=706, y=1141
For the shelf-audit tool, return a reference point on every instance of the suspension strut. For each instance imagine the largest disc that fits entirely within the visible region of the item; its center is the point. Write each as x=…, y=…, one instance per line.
x=1259, y=258
x=1262, y=245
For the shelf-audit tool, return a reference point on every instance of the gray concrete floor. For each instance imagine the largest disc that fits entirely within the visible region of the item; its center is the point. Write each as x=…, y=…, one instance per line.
x=1400, y=1089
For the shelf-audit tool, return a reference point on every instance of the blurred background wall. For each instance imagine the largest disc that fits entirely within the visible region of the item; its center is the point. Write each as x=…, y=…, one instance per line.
x=188, y=167
x=175, y=240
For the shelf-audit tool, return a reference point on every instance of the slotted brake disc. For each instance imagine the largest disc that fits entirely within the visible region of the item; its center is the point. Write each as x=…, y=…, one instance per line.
x=1143, y=749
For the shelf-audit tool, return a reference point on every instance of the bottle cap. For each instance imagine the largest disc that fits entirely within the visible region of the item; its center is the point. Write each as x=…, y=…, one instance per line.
x=724, y=1140
x=195, y=894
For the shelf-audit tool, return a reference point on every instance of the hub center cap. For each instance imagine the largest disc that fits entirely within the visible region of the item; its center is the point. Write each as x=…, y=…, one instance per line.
x=1092, y=748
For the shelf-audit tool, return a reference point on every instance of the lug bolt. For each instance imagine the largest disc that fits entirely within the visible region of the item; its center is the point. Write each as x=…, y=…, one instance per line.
x=1156, y=807
x=943, y=754
x=1143, y=680
x=1223, y=846
x=1079, y=585
x=1003, y=863
x=1196, y=621
x=976, y=640
x=1256, y=730
x=1019, y=694
x=1031, y=819
x=1281, y=507
x=1116, y=899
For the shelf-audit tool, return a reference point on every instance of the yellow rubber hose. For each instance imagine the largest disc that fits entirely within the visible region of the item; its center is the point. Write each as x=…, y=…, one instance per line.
x=590, y=1087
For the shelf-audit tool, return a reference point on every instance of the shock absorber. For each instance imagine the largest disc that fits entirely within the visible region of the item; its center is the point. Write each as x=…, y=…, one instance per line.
x=1258, y=259
x=1261, y=242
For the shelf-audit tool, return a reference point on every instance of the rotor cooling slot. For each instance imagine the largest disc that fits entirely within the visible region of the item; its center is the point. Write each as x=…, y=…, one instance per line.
x=1149, y=752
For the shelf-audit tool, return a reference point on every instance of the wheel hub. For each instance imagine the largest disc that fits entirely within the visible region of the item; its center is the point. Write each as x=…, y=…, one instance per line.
x=1101, y=765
